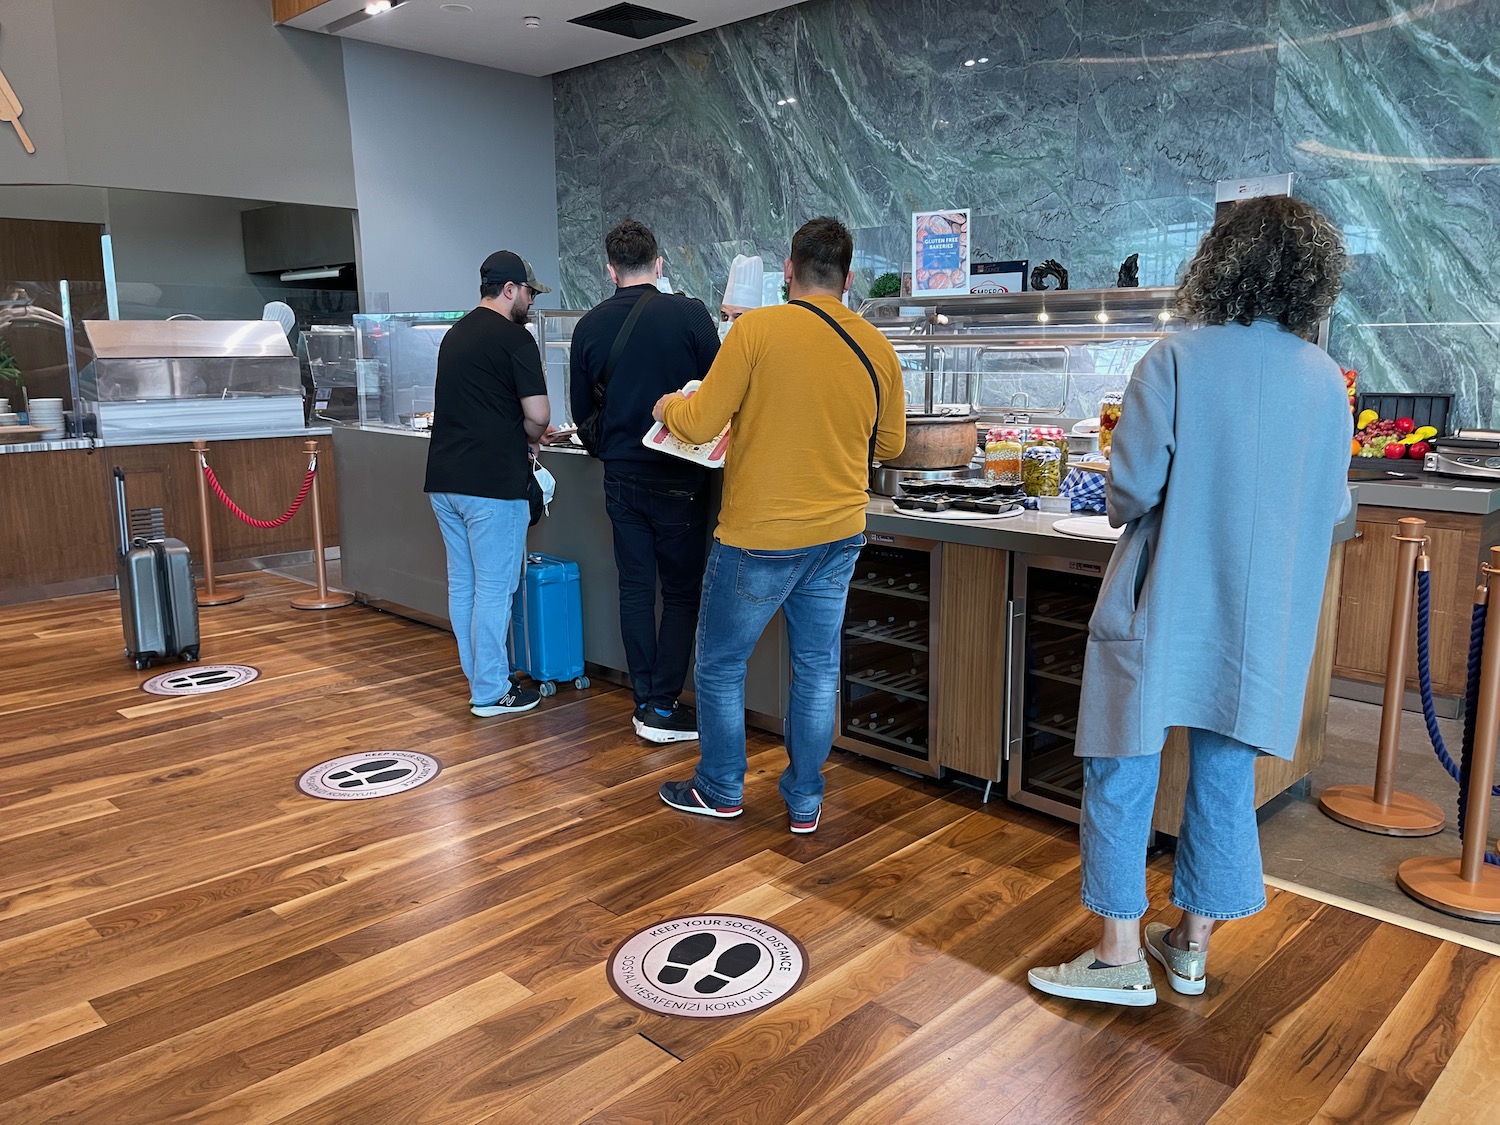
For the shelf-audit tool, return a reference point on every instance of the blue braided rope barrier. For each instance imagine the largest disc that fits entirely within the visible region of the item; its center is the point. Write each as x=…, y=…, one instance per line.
x=1459, y=772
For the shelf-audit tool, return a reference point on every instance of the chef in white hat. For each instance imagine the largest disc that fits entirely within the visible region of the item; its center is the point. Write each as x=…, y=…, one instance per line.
x=743, y=291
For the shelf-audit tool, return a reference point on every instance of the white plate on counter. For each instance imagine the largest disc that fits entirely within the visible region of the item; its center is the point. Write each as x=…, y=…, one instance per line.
x=1088, y=527
x=956, y=515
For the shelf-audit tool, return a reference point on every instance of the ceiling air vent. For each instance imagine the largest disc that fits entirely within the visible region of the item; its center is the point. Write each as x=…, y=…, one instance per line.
x=632, y=21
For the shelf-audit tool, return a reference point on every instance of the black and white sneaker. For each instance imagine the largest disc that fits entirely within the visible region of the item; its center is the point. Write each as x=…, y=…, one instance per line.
x=516, y=700
x=679, y=726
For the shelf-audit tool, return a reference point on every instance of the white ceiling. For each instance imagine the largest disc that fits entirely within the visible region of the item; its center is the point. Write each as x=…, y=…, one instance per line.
x=494, y=32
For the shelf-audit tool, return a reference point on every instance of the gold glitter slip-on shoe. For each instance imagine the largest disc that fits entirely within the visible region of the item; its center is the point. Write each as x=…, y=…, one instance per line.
x=1187, y=969
x=1084, y=978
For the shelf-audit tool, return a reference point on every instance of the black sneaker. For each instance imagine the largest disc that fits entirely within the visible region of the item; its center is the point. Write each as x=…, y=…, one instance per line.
x=516, y=700
x=684, y=795
x=680, y=726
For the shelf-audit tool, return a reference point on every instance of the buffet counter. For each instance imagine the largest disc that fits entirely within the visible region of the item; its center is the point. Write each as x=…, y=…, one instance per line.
x=970, y=698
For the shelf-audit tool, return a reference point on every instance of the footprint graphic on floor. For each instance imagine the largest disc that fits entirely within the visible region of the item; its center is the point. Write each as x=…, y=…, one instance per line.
x=370, y=773
x=733, y=962
x=684, y=955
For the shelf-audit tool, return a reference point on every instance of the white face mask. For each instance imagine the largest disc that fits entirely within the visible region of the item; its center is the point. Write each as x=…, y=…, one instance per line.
x=724, y=327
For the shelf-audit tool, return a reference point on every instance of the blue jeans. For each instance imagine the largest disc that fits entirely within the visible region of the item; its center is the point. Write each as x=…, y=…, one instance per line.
x=742, y=590
x=486, y=540
x=1217, y=873
x=661, y=532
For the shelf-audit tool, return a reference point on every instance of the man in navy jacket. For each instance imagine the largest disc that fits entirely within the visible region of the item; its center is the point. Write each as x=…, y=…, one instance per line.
x=657, y=504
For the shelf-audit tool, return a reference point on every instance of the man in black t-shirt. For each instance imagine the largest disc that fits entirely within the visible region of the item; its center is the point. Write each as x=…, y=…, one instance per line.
x=490, y=404
x=657, y=504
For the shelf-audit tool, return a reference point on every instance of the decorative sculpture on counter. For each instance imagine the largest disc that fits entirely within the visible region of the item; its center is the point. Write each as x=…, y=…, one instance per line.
x=1130, y=273
x=1050, y=268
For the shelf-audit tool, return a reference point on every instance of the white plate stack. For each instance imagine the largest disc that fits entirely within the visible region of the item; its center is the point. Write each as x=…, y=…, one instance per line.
x=48, y=414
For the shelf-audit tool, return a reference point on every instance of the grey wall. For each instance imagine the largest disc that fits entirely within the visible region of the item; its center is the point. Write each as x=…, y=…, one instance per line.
x=451, y=161
x=173, y=239
x=1093, y=130
x=202, y=97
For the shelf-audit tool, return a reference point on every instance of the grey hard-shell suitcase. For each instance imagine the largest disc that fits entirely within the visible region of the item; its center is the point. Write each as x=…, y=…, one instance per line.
x=158, y=602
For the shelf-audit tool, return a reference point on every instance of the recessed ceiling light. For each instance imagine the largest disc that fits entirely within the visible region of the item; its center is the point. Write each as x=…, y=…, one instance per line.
x=984, y=60
x=1102, y=317
x=457, y=8
x=968, y=62
x=377, y=7
x=791, y=101
x=1042, y=318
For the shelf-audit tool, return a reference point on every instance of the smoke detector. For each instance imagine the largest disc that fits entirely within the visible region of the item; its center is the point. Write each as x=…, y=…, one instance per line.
x=533, y=22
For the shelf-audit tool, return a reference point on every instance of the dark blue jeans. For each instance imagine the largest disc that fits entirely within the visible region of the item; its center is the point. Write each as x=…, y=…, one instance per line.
x=742, y=591
x=661, y=533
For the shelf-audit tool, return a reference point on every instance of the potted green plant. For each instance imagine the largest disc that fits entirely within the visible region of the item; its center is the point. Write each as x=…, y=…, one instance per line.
x=886, y=285
x=11, y=380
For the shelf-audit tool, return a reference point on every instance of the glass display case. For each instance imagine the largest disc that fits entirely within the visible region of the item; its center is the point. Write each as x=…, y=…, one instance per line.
x=395, y=363
x=329, y=355
x=1037, y=353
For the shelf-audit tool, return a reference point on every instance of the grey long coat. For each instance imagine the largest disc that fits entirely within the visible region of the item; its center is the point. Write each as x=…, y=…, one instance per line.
x=1228, y=472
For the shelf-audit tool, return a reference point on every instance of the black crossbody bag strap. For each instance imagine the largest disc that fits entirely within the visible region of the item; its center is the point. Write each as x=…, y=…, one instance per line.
x=859, y=351
x=619, y=348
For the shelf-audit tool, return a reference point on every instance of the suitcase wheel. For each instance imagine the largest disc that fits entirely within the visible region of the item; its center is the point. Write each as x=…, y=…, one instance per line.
x=546, y=688
x=581, y=682
x=141, y=664
x=190, y=654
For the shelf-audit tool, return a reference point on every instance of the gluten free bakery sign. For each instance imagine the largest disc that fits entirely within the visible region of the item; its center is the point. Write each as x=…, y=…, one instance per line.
x=939, y=253
x=707, y=965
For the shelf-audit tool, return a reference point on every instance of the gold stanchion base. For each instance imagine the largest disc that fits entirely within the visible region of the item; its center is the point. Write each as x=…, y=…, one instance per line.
x=1406, y=815
x=334, y=600
x=1434, y=881
x=220, y=597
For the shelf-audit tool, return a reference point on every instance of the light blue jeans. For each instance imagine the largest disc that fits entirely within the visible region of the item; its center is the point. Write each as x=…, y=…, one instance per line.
x=742, y=590
x=1217, y=872
x=486, y=540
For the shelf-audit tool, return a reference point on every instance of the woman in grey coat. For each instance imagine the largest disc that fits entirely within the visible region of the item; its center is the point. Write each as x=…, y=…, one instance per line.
x=1228, y=473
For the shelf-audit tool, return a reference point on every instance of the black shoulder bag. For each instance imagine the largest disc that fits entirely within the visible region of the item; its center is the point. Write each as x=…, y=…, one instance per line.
x=859, y=351
x=589, y=430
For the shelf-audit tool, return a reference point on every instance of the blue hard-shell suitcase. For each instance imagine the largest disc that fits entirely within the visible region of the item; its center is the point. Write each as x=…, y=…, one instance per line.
x=546, y=635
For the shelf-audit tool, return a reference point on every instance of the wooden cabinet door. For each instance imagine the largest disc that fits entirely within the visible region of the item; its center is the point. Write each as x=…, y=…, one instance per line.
x=972, y=660
x=1368, y=589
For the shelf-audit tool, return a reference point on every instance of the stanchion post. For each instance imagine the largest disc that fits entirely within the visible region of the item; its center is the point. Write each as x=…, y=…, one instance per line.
x=210, y=594
x=324, y=598
x=1381, y=808
x=1468, y=887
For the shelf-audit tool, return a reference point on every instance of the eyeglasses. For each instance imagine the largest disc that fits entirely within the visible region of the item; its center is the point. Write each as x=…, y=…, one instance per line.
x=534, y=293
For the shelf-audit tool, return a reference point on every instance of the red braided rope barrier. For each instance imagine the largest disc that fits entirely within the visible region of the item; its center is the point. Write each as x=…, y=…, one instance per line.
x=307, y=483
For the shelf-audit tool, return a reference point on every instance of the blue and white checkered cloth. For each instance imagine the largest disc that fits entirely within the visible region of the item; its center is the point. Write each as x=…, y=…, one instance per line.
x=1085, y=490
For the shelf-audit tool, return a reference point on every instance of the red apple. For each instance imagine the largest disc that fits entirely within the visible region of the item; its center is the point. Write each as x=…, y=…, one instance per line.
x=1418, y=449
x=1405, y=425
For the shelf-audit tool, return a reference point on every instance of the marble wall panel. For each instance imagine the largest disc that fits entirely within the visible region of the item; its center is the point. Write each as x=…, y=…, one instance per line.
x=1092, y=130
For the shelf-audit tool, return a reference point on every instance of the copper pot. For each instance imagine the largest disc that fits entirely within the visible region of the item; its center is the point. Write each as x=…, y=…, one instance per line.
x=934, y=441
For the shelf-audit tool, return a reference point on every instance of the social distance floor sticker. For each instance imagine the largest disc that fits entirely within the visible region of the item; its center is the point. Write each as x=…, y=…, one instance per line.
x=707, y=965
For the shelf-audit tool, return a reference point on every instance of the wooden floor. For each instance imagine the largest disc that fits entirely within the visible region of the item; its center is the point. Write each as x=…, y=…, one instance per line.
x=185, y=937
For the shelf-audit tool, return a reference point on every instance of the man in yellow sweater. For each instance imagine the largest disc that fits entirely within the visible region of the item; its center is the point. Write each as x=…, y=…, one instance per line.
x=814, y=392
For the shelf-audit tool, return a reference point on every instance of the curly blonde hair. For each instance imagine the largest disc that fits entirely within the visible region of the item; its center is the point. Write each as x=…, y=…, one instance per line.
x=1271, y=258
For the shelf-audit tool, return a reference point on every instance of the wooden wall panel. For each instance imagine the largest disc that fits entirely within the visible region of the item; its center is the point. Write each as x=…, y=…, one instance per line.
x=57, y=508
x=1457, y=546
x=283, y=10
x=972, y=660
x=35, y=250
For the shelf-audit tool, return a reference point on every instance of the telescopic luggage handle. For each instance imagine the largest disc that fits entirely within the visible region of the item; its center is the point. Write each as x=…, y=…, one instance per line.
x=120, y=513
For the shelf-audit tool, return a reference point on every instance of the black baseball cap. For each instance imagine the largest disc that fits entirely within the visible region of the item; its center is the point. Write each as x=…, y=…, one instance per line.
x=507, y=265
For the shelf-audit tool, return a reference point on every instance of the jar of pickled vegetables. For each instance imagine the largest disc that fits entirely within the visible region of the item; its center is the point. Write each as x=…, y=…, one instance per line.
x=1041, y=470
x=1109, y=418
x=1057, y=439
x=1002, y=456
